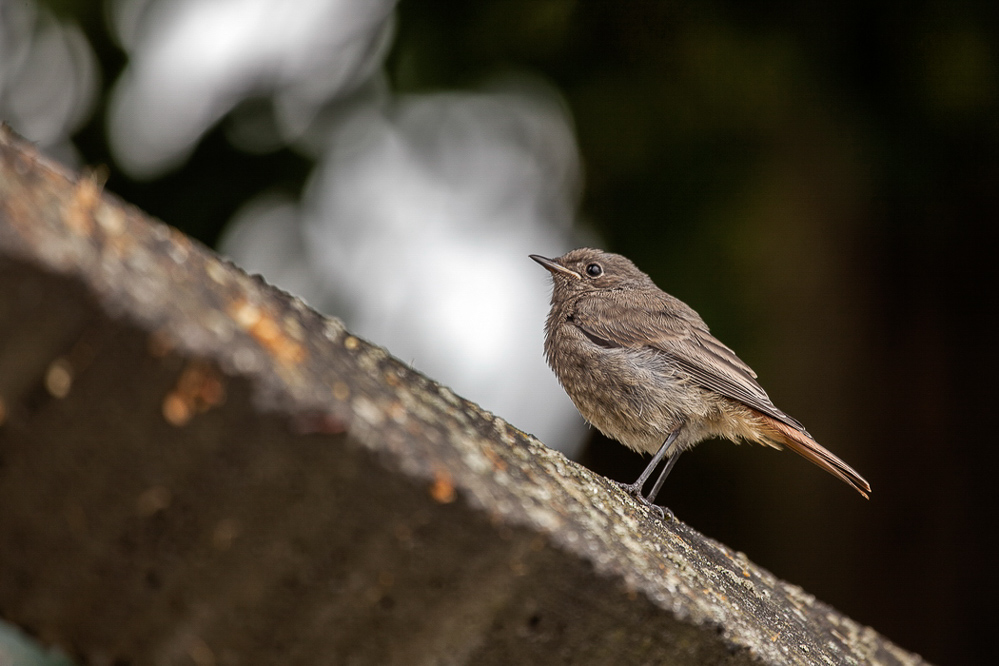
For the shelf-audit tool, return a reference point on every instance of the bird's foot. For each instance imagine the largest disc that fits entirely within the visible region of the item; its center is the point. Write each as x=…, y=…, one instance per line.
x=635, y=490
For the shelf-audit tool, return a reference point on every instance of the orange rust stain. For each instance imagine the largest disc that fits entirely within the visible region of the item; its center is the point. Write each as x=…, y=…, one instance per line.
x=397, y=412
x=341, y=391
x=262, y=326
x=198, y=389
x=494, y=458
x=442, y=489
x=79, y=212
x=317, y=423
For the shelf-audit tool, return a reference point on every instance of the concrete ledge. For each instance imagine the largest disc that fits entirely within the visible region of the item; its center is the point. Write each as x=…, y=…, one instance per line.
x=197, y=468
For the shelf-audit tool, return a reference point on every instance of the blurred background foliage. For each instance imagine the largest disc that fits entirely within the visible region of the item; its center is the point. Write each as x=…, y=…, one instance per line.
x=820, y=181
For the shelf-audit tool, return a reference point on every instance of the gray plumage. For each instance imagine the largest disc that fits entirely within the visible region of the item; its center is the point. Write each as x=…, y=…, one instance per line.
x=640, y=364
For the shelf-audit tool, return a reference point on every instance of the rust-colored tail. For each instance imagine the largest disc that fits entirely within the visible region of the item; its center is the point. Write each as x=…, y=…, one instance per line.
x=808, y=448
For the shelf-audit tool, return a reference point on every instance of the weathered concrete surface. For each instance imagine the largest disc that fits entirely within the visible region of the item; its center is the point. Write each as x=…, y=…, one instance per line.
x=197, y=468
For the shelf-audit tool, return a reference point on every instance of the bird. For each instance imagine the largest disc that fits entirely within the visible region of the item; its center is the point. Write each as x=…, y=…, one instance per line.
x=643, y=368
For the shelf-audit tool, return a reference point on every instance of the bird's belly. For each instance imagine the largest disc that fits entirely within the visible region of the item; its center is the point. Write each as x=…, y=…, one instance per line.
x=636, y=396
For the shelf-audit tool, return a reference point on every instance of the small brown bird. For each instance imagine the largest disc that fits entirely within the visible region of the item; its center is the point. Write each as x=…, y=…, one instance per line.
x=643, y=368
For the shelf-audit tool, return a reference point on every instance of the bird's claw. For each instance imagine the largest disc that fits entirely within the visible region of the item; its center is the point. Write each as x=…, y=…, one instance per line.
x=635, y=491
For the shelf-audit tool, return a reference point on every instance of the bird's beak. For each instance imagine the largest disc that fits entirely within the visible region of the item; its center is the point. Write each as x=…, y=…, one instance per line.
x=554, y=267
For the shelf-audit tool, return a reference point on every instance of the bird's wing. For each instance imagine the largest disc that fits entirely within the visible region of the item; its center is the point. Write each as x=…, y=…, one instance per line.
x=666, y=324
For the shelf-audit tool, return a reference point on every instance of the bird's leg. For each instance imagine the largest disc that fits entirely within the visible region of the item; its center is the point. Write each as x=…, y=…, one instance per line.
x=635, y=489
x=662, y=476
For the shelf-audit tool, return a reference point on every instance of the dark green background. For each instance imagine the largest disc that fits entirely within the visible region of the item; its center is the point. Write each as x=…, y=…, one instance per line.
x=821, y=182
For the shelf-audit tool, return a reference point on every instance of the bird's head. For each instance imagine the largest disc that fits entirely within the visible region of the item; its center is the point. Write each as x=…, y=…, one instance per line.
x=586, y=270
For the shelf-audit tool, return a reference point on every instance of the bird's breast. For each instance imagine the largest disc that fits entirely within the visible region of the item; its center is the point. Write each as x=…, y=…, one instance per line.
x=635, y=395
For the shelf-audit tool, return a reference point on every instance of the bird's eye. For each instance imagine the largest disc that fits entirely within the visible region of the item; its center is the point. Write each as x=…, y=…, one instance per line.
x=594, y=270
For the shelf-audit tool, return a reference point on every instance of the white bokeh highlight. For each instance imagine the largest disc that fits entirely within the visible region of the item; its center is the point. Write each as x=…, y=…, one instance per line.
x=48, y=77
x=415, y=225
x=192, y=61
